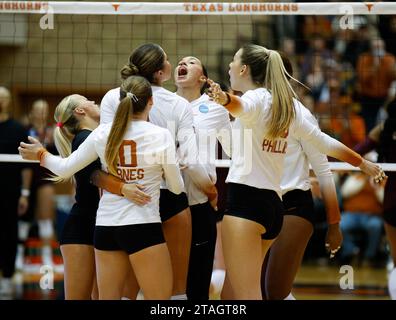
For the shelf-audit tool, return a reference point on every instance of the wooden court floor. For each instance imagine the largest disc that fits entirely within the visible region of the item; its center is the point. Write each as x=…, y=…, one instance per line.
x=316, y=282
x=313, y=282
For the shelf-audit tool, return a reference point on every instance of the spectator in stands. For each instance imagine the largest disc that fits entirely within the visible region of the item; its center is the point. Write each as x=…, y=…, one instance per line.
x=350, y=43
x=375, y=72
x=387, y=29
x=317, y=51
x=43, y=191
x=362, y=201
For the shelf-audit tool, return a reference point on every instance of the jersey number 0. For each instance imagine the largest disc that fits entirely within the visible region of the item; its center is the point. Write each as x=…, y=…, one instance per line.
x=127, y=154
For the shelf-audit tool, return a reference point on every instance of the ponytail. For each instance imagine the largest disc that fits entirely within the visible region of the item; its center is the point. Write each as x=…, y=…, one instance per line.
x=67, y=126
x=62, y=142
x=117, y=132
x=282, y=110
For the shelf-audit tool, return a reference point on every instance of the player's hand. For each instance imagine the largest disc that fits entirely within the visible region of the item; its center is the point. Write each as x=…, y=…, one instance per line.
x=333, y=239
x=213, y=197
x=133, y=192
x=29, y=151
x=215, y=93
x=373, y=170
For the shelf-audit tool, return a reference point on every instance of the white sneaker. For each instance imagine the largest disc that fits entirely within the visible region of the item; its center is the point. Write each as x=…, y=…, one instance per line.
x=46, y=254
x=6, y=288
x=392, y=284
x=19, y=261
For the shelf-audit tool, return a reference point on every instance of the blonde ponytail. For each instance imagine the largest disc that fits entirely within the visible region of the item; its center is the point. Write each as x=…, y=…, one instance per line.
x=67, y=126
x=282, y=110
x=267, y=69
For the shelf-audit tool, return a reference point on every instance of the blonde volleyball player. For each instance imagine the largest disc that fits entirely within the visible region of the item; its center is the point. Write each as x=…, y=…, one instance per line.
x=211, y=123
x=172, y=112
x=267, y=110
x=127, y=235
x=76, y=117
x=286, y=254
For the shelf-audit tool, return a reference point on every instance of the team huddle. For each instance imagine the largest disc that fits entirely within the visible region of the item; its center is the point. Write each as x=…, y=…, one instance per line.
x=151, y=152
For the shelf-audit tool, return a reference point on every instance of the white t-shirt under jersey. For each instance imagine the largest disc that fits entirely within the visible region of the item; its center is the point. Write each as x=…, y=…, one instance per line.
x=299, y=156
x=211, y=123
x=258, y=161
x=146, y=154
x=172, y=112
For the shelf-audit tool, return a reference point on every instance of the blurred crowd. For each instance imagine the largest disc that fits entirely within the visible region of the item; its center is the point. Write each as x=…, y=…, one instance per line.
x=28, y=208
x=351, y=75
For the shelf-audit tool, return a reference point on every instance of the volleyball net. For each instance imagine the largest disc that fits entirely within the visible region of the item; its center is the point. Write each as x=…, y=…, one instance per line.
x=51, y=49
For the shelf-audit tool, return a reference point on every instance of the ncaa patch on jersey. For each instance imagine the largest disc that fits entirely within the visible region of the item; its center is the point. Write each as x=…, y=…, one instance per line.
x=203, y=108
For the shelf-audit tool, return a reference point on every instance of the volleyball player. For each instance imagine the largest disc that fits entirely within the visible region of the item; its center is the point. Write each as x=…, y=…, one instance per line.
x=211, y=123
x=127, y=235
x=286, y=254
x=382, y=137
x=268, y=112
x=76, y=117
x=172, y=112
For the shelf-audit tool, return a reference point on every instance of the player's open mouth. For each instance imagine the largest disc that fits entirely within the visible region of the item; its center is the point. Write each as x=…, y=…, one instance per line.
x=182, y=72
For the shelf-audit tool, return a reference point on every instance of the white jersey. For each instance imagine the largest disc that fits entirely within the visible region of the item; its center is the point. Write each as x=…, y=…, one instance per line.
x=211, y=123
x=299, y=155
x=258, y=161
x=173, y=113
x=146, y=154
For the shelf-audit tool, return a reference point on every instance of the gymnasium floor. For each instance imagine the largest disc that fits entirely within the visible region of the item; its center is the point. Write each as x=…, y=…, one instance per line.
x=323, y=283
x=313, y=282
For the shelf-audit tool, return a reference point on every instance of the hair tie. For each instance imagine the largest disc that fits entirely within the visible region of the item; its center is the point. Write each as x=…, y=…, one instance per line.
x=132, y=96
x=134, y=68
x=59, y=124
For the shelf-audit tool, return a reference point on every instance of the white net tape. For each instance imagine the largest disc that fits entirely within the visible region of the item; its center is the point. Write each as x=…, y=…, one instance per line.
x=199, y=8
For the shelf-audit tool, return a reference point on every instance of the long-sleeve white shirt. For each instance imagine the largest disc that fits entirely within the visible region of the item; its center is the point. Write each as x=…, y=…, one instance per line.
x=211, y=123
x=299, y=156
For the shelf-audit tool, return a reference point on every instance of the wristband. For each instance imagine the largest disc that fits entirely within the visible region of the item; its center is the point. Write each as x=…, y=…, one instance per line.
x=41, y=154
x=228, y=99
x=25, y=192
